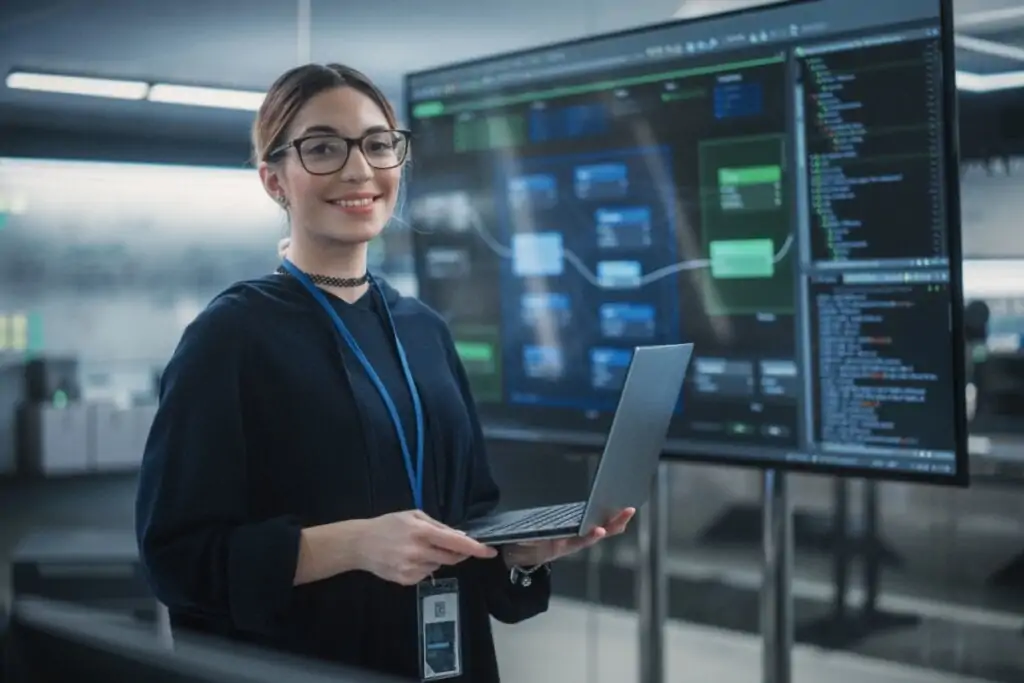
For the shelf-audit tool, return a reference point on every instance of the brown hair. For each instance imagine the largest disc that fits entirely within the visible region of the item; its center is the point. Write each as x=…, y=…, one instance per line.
x=294, y=89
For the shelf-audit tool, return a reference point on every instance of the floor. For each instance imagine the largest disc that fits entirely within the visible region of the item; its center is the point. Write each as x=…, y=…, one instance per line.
x=945, y=639
x=574, y=644
x=985, y=644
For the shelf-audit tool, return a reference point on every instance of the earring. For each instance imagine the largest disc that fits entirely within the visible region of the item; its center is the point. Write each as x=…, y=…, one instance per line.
x=282, y=200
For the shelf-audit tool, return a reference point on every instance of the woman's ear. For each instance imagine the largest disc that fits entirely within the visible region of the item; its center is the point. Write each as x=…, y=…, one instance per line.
x=271, y=179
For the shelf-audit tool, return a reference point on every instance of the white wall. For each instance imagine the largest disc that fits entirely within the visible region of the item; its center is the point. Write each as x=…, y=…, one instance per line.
x=993, y=211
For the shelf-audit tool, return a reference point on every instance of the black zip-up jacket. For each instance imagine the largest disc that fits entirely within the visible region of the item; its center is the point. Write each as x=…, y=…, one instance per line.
x=267, y=424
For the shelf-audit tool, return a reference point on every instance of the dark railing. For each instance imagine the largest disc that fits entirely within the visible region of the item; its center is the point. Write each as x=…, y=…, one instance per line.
x=55, y=642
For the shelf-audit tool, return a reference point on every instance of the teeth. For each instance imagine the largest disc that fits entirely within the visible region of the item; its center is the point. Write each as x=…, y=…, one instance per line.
x=353, y=202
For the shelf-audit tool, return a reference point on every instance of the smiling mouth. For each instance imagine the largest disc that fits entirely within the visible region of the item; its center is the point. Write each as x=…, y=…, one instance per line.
x=354, y=203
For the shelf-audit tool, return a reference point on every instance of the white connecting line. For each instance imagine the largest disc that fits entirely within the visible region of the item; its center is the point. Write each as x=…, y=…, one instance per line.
x=572, y=259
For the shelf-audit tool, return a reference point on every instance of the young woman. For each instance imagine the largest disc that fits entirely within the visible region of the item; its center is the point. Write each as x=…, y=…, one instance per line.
x=316, y=439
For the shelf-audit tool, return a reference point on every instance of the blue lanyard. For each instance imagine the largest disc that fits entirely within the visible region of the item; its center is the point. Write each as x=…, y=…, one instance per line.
x=415, y=474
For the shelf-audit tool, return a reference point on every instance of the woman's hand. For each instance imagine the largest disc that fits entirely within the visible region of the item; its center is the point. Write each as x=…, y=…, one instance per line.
x=541, y=552
x=407, y=547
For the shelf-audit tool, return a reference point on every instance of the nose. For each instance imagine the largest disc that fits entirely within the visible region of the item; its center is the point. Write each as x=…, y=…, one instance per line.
x=356, y=169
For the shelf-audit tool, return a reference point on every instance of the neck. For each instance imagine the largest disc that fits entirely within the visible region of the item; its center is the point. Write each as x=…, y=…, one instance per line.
x=333, y=260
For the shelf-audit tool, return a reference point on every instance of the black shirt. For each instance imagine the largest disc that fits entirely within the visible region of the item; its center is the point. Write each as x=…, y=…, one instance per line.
x=267, y=424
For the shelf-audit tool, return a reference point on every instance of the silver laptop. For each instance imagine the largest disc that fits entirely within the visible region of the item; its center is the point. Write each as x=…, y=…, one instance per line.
x=628, y=465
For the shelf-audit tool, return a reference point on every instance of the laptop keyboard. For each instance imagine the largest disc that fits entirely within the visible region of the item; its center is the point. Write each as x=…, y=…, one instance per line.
x=544, y=519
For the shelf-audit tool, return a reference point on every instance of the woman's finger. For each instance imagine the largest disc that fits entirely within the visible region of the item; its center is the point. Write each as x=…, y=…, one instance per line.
x=617, y=527
x=577, y=544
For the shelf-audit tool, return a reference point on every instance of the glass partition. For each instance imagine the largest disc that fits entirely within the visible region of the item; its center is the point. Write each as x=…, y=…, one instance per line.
x=108, y=262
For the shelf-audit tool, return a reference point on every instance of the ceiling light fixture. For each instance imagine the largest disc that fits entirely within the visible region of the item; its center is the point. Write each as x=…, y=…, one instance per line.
x=220, y=98
x=984, y=83
x=248, y=100
x=989, y=47
x=77, y=85
x=165, y=93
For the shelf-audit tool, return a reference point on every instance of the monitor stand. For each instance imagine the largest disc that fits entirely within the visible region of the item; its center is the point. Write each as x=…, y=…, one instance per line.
x=777, y=586
x=776, y=591
x=652, y=579
x=844, y=626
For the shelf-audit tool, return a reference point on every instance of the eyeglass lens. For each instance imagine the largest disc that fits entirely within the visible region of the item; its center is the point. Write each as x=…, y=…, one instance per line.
x=328, y=153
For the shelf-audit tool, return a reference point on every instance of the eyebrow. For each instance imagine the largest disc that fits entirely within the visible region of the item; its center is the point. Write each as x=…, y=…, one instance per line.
x=330, y=130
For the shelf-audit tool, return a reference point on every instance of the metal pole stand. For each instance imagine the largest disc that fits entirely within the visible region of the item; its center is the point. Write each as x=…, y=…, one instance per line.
x=846, y=625
x=776, y=591
x=652, y=580
x=875, y=620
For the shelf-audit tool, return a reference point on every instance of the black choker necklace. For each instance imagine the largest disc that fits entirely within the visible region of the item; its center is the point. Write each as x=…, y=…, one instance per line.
x=330, y=281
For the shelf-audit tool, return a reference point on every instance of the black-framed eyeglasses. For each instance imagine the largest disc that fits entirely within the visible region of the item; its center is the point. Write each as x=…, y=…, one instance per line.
x=326, y=153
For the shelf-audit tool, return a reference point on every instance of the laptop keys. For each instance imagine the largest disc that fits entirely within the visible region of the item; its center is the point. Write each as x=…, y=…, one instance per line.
x=555, y=517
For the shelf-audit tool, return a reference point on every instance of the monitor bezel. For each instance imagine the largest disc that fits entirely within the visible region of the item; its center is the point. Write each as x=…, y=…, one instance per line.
x=676, y=450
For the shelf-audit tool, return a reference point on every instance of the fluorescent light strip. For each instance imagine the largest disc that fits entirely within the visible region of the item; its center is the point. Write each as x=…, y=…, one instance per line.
x=247, y=100
x=220, y=98
x=76, y=85
x=989, y=47
x=983, y=83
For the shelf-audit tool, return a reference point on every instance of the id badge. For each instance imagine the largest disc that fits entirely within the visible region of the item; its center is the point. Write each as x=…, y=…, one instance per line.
x=440, y=645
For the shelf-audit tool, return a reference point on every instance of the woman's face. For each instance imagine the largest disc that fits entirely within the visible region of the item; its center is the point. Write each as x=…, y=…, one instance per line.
x=353, y=204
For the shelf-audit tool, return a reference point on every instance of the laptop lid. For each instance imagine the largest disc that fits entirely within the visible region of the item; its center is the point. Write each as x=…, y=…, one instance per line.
x=629, y=463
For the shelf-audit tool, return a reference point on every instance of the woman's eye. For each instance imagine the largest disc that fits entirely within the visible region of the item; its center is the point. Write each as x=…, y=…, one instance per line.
x=321, y=148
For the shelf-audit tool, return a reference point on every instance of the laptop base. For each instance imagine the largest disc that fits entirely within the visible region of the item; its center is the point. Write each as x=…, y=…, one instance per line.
x=506, y=539
x=532, y=524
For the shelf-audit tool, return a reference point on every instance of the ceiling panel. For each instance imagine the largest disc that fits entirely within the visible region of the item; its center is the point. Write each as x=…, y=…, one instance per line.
x=410, y=38
x=981, y=16
x=239, y=43
x=990, y=36
x=247, y=43
x=1012, y=35
x=979, y=63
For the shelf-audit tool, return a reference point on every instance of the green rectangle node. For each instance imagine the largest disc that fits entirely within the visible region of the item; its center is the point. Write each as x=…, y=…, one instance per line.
x=751, y=175
x=735, y=259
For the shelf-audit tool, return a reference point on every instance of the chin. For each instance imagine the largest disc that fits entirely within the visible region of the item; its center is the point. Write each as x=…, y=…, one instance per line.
x=353, y=234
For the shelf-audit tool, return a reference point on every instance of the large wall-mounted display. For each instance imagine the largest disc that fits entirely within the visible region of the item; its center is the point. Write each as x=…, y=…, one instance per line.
x=778, y=186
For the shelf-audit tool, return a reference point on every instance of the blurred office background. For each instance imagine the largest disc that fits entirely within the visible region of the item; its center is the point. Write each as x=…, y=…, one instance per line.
x=119, y=220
